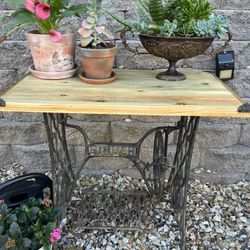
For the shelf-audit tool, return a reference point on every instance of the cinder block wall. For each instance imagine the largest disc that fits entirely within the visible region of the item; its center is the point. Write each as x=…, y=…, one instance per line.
x=222, y=150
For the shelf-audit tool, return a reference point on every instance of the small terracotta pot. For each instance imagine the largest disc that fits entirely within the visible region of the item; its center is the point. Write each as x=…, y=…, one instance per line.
x=97, y=63
x=49, y=56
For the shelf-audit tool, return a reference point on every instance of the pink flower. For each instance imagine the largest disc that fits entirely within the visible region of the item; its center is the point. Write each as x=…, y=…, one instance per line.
x=47, y=202
x=55, y=36
x=1, y=202
x=30, y=5
x=55, y=235
x=43, y=11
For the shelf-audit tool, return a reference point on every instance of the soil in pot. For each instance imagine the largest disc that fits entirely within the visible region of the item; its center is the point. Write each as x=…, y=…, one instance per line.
x=97, y=62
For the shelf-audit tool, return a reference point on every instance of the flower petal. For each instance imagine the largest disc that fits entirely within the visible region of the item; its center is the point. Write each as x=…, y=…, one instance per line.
x=55, y=36
x=30, y=5
x=43, y=11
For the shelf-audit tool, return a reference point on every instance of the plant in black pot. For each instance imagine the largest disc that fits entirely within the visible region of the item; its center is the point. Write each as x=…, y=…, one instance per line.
x=97, y=56
x=174, y=30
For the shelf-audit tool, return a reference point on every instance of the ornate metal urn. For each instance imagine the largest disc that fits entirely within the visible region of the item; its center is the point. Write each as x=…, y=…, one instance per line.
x=174, y=49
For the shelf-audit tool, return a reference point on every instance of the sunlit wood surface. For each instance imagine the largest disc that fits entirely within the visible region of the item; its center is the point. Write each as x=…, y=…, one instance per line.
x=135, y=92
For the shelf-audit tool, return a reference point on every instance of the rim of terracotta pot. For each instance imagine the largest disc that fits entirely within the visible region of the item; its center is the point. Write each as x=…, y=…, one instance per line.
x=36, y=32
x=112, y=47
x=88, y=52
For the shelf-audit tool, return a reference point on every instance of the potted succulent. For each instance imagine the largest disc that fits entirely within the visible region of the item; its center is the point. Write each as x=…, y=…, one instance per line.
x=30, y=226
x=97, y=56
x=53, y=51
x=174, y=30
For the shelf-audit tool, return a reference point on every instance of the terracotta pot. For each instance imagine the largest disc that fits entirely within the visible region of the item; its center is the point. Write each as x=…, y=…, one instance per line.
x=97, y=63
x=49, y=56
x=2, y=38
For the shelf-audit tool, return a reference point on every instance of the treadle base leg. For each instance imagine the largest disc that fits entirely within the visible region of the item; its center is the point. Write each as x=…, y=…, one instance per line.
x=179, y=177
x=62, y=173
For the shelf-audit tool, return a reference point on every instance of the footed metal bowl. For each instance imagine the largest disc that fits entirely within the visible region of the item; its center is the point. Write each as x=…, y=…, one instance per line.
x=174, y=49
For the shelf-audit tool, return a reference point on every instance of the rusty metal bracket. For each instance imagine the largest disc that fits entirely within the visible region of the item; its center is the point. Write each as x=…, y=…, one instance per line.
x=245, y=108
x=2, y=103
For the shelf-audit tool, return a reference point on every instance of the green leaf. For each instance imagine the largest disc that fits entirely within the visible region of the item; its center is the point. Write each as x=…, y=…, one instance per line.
x=86, y=41
x=14, y=229
x=65, y=2
x=75, y=10
x=12, y=218
x=26, y=242
x=91, y=20
x=39, y=235
x=34, y=210
x=121, y=21
x=156, y=11
x=4, y=208
x=1, y=229
x=18, y=18
x=3, y=240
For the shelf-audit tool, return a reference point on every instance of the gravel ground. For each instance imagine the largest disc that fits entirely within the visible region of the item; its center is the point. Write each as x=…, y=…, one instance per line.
x=218, y=217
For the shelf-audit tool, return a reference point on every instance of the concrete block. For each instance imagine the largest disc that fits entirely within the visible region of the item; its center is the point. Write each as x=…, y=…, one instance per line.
x=126, y=59
x=6, y=155
x=222, y=120
x=239, y=23
x=241, y=83
x=235, y=5
x=14, y=55
x=23, y=117
x=219, y=178
x=217, y=135
x=7, y=79
x=245, y=136
x=32, y=158
x=154, y=119
x=22, y=133
x=242, y=56
x=235, y=159
x=99, y=118
x=96, y=131
x=131, y=132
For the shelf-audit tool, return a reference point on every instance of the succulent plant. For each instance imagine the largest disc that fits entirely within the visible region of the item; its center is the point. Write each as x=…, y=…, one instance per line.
x=215, y=26
x=91, y=29
x=174, y=18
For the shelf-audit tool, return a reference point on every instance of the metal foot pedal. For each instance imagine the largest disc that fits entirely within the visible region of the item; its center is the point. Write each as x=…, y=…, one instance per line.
x=108, y=209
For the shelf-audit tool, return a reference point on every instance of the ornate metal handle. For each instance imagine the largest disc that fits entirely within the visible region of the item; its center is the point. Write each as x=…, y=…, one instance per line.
x=222, y=48
x=126, y=45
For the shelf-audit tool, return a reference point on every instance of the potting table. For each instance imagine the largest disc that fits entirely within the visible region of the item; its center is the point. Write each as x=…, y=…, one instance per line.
x=135, y=92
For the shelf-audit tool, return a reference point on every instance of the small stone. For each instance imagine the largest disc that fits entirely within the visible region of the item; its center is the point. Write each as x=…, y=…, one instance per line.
x=217, y=218
x=243, y=219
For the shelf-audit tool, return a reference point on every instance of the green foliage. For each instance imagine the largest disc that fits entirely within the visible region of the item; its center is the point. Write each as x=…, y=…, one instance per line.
x=188, y=10
x=174, y=18
x=156, y=11
x=59, y=9
x=215, y=26
x=28, y=226
x=91, y=28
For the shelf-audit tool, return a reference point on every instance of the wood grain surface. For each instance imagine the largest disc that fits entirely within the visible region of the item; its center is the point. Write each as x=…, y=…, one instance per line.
x=135, y=92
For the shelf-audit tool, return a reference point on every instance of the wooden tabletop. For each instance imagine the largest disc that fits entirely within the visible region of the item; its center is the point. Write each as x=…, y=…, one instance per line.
x=135, y=92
